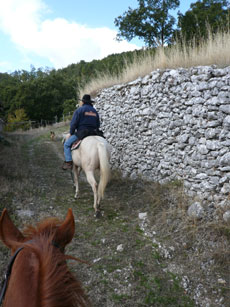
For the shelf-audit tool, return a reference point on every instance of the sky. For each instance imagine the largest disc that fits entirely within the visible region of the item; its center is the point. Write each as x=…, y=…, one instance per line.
x=57, y=33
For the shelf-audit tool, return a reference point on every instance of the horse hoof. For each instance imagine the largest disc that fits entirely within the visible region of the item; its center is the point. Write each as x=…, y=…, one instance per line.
x=97, y=214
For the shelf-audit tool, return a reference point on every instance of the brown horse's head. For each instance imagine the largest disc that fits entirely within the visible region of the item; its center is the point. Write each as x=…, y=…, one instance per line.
x=62, y=232
x=40, y=276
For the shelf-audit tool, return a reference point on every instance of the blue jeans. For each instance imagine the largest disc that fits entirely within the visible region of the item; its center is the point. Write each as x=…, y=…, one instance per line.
x=67, y=147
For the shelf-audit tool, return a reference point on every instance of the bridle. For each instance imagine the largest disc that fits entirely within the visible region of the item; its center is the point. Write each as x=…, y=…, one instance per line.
x=9, y=270
x=7, y=275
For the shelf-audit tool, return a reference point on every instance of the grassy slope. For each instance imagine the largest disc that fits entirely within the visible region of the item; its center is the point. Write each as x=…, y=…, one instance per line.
x=213, y=51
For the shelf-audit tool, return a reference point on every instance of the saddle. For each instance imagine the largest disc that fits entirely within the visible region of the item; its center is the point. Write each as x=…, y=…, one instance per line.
x=76, y=145
x=83, y=134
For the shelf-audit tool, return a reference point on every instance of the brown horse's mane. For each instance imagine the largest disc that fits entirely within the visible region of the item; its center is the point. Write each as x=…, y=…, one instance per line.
x=57, y=285
x=45, y=227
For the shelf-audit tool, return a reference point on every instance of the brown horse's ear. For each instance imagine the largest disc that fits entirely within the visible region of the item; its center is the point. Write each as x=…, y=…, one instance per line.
x=65, y=231
x=9, y=233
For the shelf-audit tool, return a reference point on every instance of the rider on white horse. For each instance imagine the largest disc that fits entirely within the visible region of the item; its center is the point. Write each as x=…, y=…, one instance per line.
x=85, y=119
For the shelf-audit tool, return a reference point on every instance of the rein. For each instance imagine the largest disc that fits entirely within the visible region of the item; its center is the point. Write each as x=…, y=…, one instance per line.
x=7, y=275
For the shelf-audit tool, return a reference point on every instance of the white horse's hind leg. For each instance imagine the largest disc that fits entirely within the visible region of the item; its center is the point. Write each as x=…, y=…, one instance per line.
x=76, y=172
x=93, y=183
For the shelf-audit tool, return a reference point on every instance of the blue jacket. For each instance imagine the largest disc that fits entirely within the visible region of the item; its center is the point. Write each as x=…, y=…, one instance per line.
x=85, y=117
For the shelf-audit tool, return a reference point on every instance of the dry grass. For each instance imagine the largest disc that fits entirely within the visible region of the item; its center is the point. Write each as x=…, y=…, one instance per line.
x=214, y=50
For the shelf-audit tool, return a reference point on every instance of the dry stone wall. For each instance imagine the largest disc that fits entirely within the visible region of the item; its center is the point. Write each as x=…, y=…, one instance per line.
x=172, y=124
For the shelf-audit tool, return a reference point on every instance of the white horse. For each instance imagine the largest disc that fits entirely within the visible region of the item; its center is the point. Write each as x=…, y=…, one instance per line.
x=93, y=153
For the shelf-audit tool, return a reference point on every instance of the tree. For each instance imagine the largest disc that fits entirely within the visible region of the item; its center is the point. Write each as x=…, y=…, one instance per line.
x=8, y=90
x=151, y=22
x=204, y=16
x=69, y=106
x=17, y=119
x=43, y=97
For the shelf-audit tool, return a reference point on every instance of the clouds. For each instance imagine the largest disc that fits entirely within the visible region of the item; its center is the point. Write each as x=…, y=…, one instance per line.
x=60, y=41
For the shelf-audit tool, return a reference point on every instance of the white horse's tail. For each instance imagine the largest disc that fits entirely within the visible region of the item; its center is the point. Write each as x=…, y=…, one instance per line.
x=104, y=169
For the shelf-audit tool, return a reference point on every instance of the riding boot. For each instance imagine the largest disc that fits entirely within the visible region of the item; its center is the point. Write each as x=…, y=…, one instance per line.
x=67, y=165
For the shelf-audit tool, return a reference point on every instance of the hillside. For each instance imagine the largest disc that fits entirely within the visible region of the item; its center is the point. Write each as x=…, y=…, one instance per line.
x=48, y=95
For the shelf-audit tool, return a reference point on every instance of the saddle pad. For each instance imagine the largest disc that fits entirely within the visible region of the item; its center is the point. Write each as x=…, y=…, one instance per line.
x=76, y=144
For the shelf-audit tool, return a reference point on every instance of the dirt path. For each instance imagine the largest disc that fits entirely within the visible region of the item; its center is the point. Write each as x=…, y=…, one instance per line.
x=133, y=255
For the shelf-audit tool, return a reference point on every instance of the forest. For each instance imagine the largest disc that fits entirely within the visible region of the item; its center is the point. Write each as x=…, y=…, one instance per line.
x=46, y=95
